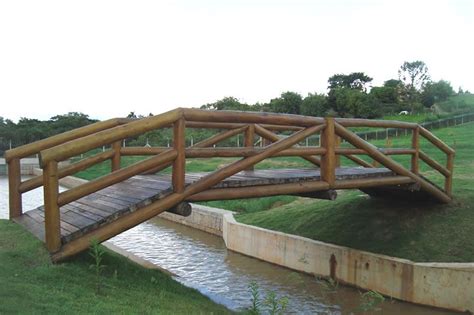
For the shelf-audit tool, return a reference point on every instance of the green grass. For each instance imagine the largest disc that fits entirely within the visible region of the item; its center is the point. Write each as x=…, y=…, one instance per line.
x=458, y=103
x=30, y=284
x=415, y=118
x=420, y=232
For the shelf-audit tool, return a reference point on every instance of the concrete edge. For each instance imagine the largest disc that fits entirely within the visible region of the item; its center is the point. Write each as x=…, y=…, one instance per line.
x=443, y=285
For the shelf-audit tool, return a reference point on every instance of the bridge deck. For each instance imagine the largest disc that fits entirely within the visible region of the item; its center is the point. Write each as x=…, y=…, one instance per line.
x=108, y=204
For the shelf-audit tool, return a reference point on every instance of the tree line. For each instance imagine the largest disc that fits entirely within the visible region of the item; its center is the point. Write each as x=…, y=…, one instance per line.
x=28, y=130
x=351, y=95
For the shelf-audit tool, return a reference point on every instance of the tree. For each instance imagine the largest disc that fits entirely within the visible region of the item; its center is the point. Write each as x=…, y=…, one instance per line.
x=227, y=103
x=355, y=80
x=387, y=97
x=354, y=103
x=314, y=105
x=414, y=76
x=288, y=102
x=71, y=120
x=436, y=91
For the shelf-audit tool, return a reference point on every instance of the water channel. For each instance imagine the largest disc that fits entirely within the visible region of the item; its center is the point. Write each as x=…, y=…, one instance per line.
x=200, y=260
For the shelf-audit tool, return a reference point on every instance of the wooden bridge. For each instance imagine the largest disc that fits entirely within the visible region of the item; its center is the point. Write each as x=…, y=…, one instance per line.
x=104, y=207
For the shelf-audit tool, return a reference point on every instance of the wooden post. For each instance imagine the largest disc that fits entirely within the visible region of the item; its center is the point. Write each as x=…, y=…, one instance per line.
x=337, y=145
x=179, y=164
x=248, y=141
x=415, y=144
x=14, y=181
x=448, y=182
x=116, y=146
x=52, y=225
x=328, y=161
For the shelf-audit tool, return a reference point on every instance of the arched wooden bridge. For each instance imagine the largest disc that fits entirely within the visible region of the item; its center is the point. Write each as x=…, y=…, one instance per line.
x=111, y=204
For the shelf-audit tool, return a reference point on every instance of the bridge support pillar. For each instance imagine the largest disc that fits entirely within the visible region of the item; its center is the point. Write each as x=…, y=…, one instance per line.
x=328, y=161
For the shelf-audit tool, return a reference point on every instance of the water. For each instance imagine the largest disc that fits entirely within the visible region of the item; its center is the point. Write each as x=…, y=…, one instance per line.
x=200, y=260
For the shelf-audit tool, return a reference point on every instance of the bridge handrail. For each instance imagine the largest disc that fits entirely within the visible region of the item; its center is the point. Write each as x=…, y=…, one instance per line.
x=37, y=146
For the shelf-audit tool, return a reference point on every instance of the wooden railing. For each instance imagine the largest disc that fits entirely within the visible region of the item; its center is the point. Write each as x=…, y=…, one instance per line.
x=266, y=125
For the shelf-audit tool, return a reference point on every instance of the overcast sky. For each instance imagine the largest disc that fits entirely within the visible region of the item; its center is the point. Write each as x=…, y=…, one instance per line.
x=107, y=58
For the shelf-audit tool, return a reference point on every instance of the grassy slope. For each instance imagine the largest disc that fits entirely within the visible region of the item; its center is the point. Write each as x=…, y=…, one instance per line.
x=421, y=232
x=29, y=283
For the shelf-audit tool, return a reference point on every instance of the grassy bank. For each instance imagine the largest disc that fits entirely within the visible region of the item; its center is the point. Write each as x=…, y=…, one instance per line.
x=421, y=232
x=29, y=283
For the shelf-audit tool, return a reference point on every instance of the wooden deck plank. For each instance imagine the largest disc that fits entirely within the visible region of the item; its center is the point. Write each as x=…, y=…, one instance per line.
x=108, y=204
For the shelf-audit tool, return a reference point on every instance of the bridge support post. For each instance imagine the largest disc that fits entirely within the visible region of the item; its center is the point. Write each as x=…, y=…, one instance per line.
x=249, y=139
x=14, y=181
x=179, y=164
x=415, y=144
x=52, y=225
x=116, y=157
x=328, y=161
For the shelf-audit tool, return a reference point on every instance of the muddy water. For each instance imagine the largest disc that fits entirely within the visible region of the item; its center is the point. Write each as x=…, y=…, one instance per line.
x=200, y=260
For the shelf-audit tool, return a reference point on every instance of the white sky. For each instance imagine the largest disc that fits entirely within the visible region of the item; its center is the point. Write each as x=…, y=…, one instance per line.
x=107, y=58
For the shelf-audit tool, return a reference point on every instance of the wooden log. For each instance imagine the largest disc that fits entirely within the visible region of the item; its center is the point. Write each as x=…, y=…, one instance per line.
x=357, y=122
x=193, y=114
x=390, y=164
x=337, y=144
x=52, y=225
x=264, y=133
x=434, y=164
x=115, y=177
x=249, y=140
x=372, y=182
x=14, y=183
x=436, y=141
x=113, y=228
x=217, y=125
x=116, y=146
x=37, y=146
x=448, y=183
x=359, y=161
x=84, y=144
x=345, y=151
x=179, y=164
x=329, y=194
x=37, y=181
x=130, y=151
x=415, y=144
x=229, y=170
x=219, y=137
x=183, y=209
x=328, y=161
x=205, y=143
x=193, y=152
x=246, y=152
x=258, y=191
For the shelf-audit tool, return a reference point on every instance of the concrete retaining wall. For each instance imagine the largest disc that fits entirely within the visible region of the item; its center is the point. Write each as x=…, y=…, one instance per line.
x=445, y=285
x=202, y=218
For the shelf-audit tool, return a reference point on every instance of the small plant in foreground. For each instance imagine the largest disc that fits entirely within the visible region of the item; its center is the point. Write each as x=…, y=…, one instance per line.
x=273, y=304
x=97, y=252
x=276, y=305
x=256, y=303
